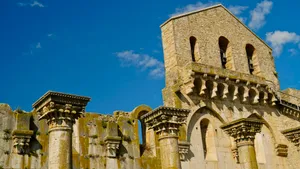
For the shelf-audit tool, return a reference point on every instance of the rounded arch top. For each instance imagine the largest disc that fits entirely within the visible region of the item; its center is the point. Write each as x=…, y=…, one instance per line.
x=140, y=110
x=259, y=117
x=211, y=110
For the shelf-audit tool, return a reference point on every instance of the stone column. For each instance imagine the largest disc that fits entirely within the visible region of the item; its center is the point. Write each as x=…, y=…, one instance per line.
x=243, y=131
x=60, y=110
x=166, y=122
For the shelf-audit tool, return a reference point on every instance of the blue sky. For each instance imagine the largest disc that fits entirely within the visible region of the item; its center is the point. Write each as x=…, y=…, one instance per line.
x=112, y=51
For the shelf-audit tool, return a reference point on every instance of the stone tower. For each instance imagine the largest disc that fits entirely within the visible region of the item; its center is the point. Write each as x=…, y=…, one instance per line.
x=222, y=72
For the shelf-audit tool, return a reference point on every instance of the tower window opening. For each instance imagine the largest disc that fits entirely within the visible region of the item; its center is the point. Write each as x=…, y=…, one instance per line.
x=193, y=41
x=250, y=51
x=223, y=44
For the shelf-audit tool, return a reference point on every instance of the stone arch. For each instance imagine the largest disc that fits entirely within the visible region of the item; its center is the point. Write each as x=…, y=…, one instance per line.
x=258, y=116
x=252, y=59
x=208, y=140
x=198, y=114
x=214, y=137
x=139, y=111
x=226, y=53
x=194, y=47
x=214, y=113
x=140, y=129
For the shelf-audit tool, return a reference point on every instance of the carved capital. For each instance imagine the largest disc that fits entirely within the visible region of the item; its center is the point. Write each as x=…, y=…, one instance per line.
x=21, y=140
x=60, y=109
x=112, y=146
x=243, y=131
x=183, y=148
x=293, y=135
x=166, y=120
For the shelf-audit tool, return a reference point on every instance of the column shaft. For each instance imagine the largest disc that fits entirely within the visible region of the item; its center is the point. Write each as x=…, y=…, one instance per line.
x=60, y=149
x=247, y=156
x=111, y=163
x=169, y=153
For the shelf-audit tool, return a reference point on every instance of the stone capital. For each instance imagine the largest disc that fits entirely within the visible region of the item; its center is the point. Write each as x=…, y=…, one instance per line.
x=60, y=109
x=112, y=145
x=166, y=120
x=243, y=130
x=293, y=135
x=183, y=148
x=21, y=139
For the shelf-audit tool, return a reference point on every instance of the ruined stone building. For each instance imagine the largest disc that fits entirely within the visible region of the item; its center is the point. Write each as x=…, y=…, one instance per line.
x=223, y=109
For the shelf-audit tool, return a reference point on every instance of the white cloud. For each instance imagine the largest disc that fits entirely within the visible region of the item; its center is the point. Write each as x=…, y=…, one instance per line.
x=38, y=4
x=192, y=7
x=50, y=35
x=32, y=4
x=293, y=51
x=258, y=14
x=38, y=45
x=278, y=39
x=143, y=62
x=237, y=10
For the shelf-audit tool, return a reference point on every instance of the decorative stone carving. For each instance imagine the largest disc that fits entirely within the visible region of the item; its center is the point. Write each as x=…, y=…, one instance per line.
x=293, y=135
x=281, y=150
x=220, y=84
x=60, y=109
x=244, y=130
x=166, y=120
x=21, y=140
x=183, y=150
x=112, y=146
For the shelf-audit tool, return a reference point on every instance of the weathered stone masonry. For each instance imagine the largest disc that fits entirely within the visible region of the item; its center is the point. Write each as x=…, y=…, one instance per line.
x=223, y=109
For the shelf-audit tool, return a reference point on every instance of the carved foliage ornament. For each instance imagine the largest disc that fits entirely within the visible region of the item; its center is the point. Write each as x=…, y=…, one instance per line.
x=21, y=140
x=243, y=130
x=165, y=120
x=183, y=148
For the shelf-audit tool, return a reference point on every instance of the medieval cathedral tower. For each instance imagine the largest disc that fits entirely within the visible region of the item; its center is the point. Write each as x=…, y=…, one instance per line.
x=223, y=109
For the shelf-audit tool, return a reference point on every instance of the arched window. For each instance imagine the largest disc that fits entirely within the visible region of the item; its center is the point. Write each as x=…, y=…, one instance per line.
x=193, y=41
x=250, y=51
x=223, y=45
x=208, y=140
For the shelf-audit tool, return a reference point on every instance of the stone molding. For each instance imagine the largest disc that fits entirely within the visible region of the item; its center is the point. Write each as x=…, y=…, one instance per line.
x=112, y=146
x=243, y=130
x=62, y=98
x=166, y=120
x=281, y=150
x=293, y=135
x=21, y=140
x=183, y=149
x=226, y=84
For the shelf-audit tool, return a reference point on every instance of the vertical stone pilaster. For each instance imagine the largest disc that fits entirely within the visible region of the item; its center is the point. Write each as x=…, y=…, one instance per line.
x=243, y=131
x=112, y=146
x=183, y=150
x=21, y=139
x=166, y=122
x=60, y=110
